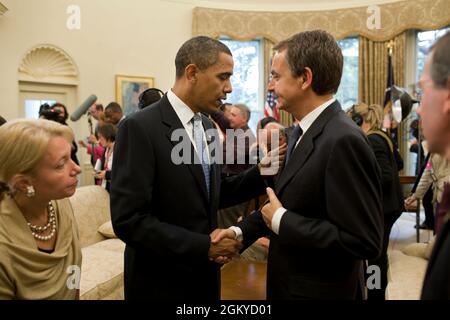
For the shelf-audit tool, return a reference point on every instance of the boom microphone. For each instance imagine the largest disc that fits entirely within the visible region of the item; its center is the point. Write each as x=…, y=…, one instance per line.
x=83, y=108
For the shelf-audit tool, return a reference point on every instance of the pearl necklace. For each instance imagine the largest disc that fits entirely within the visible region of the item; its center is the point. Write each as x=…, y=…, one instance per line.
x=37, y=230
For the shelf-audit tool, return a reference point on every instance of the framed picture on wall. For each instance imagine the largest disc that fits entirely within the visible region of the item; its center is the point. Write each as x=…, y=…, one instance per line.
x=128, y=89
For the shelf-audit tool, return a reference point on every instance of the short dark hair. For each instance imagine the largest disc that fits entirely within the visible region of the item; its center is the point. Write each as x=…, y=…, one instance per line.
x=440, y=63
x=98, y=107
x=2, y=120
x=149, y=96
x=108, y=131
x=114, y=107
x=318, y=51
x=201, y=51
x=59, y=104
x=265, y=121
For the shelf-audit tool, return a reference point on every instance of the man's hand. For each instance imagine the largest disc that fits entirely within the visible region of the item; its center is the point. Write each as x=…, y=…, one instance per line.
x=272, y=162
x=224, y=250
x=269, y=209
x=411, y=203
x=220, y=234
x=217, y=236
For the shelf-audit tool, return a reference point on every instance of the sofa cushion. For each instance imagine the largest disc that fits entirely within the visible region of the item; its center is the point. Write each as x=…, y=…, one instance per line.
x=415, y=250
x=101, y=273
x=115, y=245
x=429, y=248
x=405, y=276
x=106, y=230
x=421, y=250
x=91, y=209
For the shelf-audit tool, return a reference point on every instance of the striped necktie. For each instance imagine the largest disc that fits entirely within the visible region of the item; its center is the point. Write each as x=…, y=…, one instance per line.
x=197, y=133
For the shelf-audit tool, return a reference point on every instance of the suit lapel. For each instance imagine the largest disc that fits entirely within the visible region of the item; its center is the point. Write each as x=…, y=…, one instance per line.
x=171, y=120
x=306, y=146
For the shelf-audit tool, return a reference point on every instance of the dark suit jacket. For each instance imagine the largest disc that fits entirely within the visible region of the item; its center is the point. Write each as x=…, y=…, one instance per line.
x=436, y=285
x=331, y=190
x=162, y=212
x=390, y=181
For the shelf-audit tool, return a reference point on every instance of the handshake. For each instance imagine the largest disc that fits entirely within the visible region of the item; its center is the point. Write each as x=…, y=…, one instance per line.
x=223, y=246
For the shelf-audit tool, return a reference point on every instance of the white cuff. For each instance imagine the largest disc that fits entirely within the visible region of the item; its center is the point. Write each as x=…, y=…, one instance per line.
x=276, y=219
x=238, y=233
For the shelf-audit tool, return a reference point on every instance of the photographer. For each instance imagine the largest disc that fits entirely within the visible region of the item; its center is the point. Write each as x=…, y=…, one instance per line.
x=58, y=113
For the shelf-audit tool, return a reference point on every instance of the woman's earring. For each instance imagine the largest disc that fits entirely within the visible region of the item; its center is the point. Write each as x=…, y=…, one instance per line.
x=30, y=191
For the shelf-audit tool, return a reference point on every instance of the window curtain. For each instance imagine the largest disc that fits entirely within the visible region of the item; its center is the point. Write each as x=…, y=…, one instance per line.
x=373, y=64
x=395, y=18
x=373, y=71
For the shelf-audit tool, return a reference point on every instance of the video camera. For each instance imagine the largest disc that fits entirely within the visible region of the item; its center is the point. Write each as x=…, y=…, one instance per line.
x=49, y=113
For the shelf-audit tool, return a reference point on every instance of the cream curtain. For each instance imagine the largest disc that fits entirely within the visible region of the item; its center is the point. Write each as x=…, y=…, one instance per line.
x=373, y=61
x=395, y=18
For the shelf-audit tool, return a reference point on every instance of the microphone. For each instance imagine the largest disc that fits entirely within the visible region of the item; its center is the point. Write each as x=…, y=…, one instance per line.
x=83, y=108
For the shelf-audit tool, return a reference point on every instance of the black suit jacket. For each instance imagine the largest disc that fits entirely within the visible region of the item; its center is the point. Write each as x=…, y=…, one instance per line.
x=162, y=212
x=390, y=181
x=436, y=285
x=331, y=190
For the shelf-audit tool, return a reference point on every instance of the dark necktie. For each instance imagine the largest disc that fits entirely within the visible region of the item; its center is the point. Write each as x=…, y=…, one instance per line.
x=293, y=138
x=201, y=147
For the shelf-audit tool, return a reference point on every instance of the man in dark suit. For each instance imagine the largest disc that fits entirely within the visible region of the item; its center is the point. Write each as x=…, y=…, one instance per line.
x=435, y=116
x=324, y=217
x=164, y=209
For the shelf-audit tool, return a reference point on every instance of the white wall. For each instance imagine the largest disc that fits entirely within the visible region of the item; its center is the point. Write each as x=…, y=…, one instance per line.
x=131, y=37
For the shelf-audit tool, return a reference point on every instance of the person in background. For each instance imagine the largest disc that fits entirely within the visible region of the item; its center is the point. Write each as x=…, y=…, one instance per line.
x=62, y=116
x=434, y=111
x=38, y=233
x=435, y=176
x=114, y=113
x=236, y=155
x=2, y=121
x=149, y=96
x=107, y=138
x=370, y=119
x=421, y=163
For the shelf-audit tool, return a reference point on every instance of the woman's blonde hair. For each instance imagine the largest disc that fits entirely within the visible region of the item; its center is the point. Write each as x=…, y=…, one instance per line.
x=23, y=144
x=373, y=114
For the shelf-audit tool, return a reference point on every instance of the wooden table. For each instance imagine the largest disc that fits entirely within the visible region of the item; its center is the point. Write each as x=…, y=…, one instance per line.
x=244, y=280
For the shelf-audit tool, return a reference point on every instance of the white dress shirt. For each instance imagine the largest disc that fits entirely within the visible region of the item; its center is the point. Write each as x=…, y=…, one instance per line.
x=185, y=115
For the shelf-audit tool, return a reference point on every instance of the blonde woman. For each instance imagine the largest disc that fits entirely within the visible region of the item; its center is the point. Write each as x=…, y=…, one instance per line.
x=370, y=119
x=39, y=246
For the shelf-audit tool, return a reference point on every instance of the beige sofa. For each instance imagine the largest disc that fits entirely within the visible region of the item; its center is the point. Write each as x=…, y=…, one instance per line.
x=102, y=266
x=407, y=269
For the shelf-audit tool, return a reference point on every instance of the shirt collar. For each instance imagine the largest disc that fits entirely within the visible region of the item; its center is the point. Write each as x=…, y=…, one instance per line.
x=181, y=109
x=309, y=119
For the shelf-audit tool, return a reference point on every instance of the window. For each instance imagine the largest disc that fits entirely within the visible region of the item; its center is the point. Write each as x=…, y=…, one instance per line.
x=348, y=89
x=246, y=77
x=32, y=107
x=424, y=41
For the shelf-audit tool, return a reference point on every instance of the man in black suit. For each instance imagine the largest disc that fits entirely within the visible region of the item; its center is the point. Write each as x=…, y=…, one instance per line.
x=163, y=208
x=435, y=116
x=324, y=217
